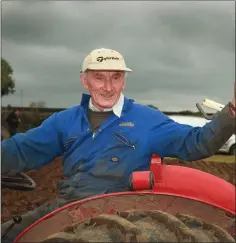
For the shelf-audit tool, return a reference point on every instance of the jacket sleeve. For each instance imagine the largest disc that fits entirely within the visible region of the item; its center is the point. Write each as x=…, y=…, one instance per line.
x=31, y=150
x=191, y=143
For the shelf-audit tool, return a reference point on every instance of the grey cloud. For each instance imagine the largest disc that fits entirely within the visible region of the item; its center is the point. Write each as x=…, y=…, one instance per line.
x=197, y=24
x=174, y=48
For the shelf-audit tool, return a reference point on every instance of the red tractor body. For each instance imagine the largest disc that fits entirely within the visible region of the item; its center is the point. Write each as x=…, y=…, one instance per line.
x=193, y=184
x=173, y=189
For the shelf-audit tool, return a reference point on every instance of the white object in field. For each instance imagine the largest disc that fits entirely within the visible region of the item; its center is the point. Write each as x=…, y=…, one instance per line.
x=212, y=104
x=189, y=120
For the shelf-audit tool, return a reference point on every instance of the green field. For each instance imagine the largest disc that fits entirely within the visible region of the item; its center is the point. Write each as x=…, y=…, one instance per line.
x=221, y=158
x=218, y=158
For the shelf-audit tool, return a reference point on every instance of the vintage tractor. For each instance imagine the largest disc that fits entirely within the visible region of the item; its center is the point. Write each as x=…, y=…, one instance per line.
x=165, y=204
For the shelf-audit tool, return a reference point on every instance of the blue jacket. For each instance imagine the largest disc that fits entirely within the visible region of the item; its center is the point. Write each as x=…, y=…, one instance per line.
x=104, y=161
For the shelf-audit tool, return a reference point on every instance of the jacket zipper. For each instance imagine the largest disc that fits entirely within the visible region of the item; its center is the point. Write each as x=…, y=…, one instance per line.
x=124, y=140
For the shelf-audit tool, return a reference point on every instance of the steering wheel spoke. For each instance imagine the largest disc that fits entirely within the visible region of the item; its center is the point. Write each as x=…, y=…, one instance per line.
x=18, y=181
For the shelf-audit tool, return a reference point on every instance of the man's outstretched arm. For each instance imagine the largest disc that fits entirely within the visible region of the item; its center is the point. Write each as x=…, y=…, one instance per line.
x=188, y=143
x=31, y=150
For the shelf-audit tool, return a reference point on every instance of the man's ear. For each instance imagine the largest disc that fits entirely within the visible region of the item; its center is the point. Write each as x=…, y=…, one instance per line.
x=83, y=79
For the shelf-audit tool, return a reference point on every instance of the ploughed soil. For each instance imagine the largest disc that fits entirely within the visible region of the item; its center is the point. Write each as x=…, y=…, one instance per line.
x=18, y=202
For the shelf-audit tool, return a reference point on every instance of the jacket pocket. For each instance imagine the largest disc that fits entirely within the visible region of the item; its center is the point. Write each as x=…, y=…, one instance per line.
x=123, y=140
x=113, y=162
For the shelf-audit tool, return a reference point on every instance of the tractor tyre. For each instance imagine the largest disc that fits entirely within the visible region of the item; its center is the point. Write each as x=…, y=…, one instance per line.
x=142, y=226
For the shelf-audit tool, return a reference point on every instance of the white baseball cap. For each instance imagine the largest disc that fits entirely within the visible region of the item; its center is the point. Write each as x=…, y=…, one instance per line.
x=104, y=59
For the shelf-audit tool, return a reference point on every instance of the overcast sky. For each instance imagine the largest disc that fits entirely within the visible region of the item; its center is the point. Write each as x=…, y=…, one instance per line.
x=180, y=52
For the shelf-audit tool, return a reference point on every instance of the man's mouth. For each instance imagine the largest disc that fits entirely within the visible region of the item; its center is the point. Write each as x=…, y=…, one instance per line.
x=107, y=96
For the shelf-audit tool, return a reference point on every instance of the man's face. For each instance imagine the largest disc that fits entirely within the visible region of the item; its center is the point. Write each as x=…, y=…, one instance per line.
x=105, y=87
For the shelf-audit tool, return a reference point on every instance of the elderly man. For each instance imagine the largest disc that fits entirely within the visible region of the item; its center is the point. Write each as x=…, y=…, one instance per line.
x=107, y=137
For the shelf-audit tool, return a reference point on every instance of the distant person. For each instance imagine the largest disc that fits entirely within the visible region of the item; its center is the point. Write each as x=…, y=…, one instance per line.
x=13, y=121
x=106, y=137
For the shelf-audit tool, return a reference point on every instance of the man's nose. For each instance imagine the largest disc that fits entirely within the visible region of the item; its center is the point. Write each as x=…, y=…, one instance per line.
x=108, y=86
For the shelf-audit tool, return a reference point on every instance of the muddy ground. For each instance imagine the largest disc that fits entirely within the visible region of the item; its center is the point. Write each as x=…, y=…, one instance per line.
x=18, y=202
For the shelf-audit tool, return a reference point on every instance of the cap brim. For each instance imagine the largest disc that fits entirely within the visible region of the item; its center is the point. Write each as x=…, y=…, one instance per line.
x=128, y=70
x=109, y=69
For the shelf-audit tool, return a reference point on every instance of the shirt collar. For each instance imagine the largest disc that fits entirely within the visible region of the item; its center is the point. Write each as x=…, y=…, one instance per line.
x=117, y=108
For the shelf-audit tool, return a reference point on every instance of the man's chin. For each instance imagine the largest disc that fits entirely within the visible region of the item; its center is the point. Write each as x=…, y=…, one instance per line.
x=106, y=105
x=108, y=102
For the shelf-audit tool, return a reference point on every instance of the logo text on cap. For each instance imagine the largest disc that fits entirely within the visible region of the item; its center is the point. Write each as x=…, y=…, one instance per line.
x=101, y=59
